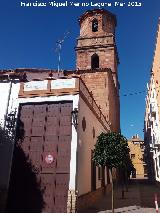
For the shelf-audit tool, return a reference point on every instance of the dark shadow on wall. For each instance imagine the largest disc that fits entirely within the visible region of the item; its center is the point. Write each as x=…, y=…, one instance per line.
x=25, y=194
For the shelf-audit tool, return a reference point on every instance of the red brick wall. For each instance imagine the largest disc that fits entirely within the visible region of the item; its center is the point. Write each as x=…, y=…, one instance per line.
x=105, y=94
x=107, y=57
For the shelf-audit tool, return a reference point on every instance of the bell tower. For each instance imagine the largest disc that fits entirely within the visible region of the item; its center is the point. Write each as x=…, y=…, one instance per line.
x=96, y=47
x=97, y=61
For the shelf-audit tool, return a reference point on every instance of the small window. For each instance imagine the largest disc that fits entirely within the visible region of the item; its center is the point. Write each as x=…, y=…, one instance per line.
x=84, y=124
x=95, y=61
x=95, y=25
x=93, y=132
x=132, y=156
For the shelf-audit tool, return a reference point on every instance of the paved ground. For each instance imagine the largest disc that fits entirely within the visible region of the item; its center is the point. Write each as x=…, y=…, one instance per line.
x=138, y=199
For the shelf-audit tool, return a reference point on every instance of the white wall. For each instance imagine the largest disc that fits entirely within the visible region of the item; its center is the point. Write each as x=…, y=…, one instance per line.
x=7, y=97
x=151, y=100
x=4, y=91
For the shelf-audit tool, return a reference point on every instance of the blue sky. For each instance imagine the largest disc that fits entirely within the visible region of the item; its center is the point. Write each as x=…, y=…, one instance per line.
x=28, y=38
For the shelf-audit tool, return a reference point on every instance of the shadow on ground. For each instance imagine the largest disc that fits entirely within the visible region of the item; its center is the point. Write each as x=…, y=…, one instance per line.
x=139, y=198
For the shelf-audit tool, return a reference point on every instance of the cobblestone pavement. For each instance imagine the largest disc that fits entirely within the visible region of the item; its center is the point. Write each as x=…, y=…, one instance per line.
x=138, y=199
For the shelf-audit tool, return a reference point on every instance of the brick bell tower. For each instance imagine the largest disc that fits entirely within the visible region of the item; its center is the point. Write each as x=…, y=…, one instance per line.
x=97, y=60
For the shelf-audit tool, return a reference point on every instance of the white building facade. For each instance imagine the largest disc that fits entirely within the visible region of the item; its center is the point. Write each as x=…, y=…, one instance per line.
x=152, y=132
x=152, y=115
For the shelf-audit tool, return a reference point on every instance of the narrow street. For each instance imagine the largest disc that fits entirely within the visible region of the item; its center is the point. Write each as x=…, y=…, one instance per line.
x=138, y=199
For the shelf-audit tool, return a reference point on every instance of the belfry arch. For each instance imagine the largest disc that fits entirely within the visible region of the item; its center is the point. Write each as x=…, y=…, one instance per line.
x=95, y=25
x=94, y=61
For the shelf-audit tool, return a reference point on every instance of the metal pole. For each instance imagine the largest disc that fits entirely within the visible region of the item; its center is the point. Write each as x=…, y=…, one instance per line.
x=59, y=57
x=156, y=202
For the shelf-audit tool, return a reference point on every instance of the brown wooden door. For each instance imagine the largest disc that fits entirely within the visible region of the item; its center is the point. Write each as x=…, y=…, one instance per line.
x=47, y=145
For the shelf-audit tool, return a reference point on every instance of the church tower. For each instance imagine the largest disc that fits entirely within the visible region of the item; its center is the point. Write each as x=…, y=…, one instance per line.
x=97, y=59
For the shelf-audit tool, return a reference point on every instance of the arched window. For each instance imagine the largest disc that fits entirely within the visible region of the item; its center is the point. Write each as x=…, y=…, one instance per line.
x=94, y=25
x=94, y=61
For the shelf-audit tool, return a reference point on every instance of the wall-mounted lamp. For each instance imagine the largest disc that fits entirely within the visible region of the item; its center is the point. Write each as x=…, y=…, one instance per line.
x=74, y=114
x=10, y=120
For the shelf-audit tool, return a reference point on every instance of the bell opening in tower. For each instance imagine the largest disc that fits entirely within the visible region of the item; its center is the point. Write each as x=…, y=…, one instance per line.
x=95, y=25
x=95, y=61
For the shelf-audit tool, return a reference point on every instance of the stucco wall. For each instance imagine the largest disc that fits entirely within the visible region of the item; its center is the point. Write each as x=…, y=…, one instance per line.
x=152, y=126
x=8, y=95
x=86, y=143
x=4, y=91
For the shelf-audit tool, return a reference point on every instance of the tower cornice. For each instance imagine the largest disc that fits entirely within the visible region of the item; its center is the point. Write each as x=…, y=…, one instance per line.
x=96, y=11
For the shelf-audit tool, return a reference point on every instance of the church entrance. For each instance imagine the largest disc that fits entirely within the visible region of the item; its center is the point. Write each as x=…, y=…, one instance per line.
x=39, y=180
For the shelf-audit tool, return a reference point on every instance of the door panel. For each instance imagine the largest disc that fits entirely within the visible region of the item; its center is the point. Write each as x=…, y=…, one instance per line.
x=47, y=132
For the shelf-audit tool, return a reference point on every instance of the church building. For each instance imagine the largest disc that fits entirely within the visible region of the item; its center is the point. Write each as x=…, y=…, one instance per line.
x=54, y=119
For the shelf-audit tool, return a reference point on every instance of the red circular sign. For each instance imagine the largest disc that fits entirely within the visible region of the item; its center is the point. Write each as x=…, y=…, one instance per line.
x=49, y=159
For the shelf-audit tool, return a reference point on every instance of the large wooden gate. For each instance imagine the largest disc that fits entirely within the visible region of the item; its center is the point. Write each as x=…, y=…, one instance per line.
x=47, y=144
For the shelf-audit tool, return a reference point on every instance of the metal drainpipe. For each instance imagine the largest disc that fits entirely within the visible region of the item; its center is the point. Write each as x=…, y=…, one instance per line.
x=9, y=95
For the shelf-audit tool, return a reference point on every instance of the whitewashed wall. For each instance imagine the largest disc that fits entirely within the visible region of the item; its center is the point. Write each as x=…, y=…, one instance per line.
x=4, y=92
x=156, y=133
x=152, y=103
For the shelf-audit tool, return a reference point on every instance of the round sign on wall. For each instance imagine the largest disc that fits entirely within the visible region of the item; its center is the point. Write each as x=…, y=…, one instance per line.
x=49, y=159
